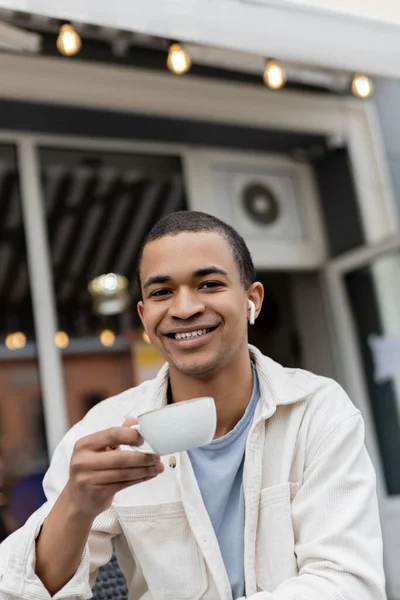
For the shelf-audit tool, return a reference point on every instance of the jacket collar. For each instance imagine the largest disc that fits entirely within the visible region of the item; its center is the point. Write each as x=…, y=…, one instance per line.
x=277, y=384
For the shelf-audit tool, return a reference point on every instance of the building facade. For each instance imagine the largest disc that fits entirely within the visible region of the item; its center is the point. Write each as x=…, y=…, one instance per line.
x=92, y=154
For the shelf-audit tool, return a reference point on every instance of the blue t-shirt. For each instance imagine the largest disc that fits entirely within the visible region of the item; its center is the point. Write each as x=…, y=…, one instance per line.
x=218, y=468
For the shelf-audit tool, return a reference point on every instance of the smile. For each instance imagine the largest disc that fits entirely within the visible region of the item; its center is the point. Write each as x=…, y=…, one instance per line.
x=190, y=338
x=191, y=334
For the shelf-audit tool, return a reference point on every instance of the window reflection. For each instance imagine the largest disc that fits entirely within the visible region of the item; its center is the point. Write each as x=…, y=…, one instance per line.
x=99, y=207
x=373, y=293
x=23, y=450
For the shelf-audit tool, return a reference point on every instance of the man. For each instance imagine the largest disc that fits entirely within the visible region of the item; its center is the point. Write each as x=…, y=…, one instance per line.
x=280, y=506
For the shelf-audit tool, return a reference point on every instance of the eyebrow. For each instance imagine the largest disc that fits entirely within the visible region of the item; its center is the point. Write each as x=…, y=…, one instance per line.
x=210, y=271
x=160, y=279
x=156, y=279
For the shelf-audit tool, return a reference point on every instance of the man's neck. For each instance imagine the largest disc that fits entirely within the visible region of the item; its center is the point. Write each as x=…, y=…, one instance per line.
x=231, y=388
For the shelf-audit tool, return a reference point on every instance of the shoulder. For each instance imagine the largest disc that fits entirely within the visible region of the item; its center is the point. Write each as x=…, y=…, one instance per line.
x=303, y=392
x=328, y=416
x=323, y=394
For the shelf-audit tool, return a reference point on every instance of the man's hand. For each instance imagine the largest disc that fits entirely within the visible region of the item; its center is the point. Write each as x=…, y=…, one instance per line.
x=99, y=469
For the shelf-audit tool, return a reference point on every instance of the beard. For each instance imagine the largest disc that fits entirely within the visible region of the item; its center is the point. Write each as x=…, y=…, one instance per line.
x=197, y=368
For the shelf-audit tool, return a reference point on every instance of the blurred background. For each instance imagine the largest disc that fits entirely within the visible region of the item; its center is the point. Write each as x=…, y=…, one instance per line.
x=280, y=118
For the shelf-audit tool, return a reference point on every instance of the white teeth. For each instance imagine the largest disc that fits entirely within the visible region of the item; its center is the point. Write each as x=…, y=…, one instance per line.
x=192, y=334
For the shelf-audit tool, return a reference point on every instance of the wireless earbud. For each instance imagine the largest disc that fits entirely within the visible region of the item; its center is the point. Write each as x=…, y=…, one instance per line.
x=252, y=309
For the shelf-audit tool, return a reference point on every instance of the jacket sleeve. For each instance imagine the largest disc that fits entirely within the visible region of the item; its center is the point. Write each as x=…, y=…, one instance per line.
x=338, y=541
x=17, y=553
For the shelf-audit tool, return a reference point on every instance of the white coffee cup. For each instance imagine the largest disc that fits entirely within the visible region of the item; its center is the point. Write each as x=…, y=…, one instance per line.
x=177, y=427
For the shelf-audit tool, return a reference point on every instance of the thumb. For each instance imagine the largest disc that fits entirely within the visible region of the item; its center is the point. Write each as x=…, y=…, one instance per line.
x=129, y=422
x=132, y=421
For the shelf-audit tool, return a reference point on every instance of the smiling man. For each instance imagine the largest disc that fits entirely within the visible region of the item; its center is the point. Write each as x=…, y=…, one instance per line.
x=196, y=311
x=281, y=505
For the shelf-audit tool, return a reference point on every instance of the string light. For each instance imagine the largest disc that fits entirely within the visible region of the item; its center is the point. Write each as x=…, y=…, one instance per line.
x=19, y=340
x=178, y=61
x=69, y=41
x=16, y=340
x=9, y=342
x=274, y=75
x=109, y=293
x=107, y=337
x=362, y=86
x=61, y=339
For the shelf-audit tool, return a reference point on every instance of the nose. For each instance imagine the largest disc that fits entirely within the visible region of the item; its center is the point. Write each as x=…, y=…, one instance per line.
x=185, y=305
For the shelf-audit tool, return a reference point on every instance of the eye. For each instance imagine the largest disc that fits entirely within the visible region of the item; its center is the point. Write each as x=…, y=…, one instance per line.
x=208, y=285
x=159, y=293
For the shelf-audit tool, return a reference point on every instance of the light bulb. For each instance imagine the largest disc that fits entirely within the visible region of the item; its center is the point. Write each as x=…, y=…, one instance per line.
x=68, y=41
x=9, y=341
x=110, y=282
x=16, y=340
x=61, y=339
x=107, y=337
x=362, y=86
x=19, y=340
x=178, y=60
x=110, y=294
x=274, y=75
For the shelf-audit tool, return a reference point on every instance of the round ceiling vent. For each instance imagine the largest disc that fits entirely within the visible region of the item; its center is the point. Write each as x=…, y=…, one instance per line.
x=260, y=204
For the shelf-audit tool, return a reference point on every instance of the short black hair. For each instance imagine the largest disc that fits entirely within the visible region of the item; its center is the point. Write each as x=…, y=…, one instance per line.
x=197, y=222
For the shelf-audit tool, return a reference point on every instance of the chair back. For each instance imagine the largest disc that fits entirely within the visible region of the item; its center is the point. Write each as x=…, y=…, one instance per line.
x=110, y=583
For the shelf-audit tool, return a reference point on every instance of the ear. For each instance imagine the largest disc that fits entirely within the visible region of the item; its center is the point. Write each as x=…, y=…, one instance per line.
x=140, y=309
x=255, y=293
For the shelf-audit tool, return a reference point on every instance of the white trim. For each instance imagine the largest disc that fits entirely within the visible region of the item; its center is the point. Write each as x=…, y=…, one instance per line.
x=151, y=93
x=351, y=376
x=363, y=256
x=130, y=90
x=293, y=31
x=103, y=144
x=371, y=173
x=40, y=272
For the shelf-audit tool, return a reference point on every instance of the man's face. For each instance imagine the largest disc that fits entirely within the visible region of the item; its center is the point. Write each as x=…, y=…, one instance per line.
x=194, y=306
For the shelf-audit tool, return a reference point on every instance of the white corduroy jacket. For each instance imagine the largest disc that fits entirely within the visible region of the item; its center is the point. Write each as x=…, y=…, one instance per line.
x=312, y=528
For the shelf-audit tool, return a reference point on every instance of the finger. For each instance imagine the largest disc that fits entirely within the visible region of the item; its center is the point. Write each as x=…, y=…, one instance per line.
x=110, y=438
x=123, y=475
x=115, y=459
x=114, y=488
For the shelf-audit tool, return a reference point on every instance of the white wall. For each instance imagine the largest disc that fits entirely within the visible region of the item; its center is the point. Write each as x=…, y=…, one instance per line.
x=303, y=31
x=380, y=9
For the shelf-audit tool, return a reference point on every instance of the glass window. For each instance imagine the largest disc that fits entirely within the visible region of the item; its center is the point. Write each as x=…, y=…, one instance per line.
x=373, y=293
x=23, y=451
x=99, y=207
